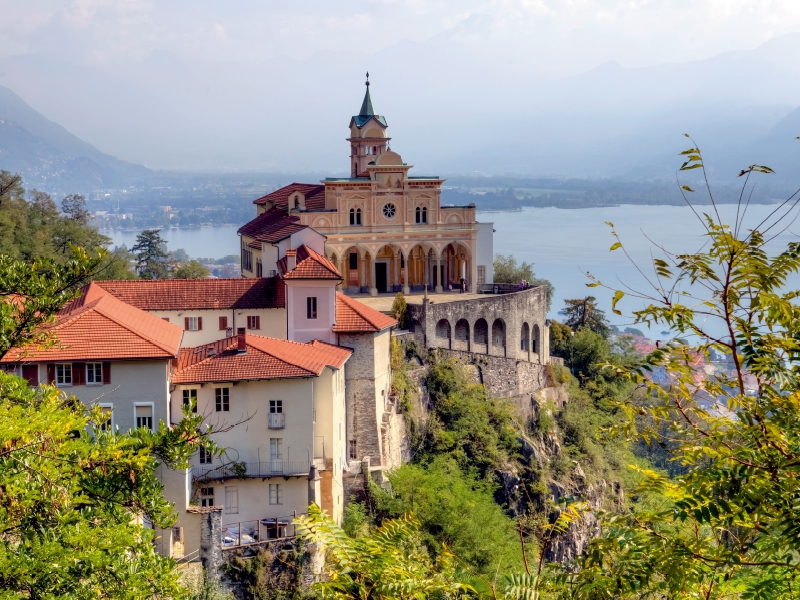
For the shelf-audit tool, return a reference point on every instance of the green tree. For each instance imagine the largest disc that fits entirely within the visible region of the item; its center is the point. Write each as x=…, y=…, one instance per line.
x=71, y=492
x=190, y=270
x=400, y=310
x=117, y=265
x=728, y=526
x=583, y=312
x=151, y=255
x=507, y=270
x=74, y=206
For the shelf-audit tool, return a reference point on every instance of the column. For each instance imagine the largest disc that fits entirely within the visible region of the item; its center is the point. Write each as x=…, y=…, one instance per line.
x=439, y=288
x=396, y=269
x=406, y=286
x=373, y=291
x=362, y=270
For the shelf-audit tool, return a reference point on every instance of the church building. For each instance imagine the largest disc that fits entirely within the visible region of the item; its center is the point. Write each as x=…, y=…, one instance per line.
x=386, y=230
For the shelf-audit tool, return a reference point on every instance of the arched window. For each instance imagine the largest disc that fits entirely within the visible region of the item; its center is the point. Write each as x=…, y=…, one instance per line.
x=297, y=203
x=422, y=214
x=355, y=216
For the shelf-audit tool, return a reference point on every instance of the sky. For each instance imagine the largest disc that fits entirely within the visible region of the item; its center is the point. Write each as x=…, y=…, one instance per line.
x=557, y=37
x=538, y=87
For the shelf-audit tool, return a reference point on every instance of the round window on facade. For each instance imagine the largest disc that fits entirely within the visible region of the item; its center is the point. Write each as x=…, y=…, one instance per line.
x=389, y=211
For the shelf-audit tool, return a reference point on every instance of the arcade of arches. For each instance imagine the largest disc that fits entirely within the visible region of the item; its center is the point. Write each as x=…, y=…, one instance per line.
x=393, y=268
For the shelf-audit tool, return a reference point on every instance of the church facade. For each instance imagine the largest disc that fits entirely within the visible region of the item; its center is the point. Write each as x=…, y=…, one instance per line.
x=386, y=230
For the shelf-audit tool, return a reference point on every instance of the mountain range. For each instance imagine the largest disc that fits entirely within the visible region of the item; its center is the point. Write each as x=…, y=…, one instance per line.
x=448, y=114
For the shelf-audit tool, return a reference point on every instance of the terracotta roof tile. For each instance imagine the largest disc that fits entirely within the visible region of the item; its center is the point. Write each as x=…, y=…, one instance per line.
x=194, y=294
x=352, y=316
x=310, y=265
x=314, y=193
x=98, y=326
x=266, y=358
x=272, y=226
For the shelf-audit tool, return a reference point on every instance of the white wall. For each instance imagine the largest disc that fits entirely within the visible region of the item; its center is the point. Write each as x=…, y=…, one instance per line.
x=273, y=323
x=307, y=236
x=300, y=328
x=485, y=253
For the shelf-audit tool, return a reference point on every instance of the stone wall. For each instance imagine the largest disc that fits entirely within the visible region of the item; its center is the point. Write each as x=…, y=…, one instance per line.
x=504, y=325
x=503, y=377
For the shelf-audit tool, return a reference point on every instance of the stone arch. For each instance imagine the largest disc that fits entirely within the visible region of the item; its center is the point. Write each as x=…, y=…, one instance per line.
x=443, y=334
x=416, y=326
x=498, y=339
x=418, y=266
x=461, y=335
x=390, y=255
x=480, y=336
x=525, y=339
x=353, y=267
x=536, y=341
x=456, y=259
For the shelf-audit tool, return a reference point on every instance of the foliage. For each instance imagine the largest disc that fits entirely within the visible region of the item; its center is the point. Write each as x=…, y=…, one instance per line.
x=456, y=512
x=356, y=519
x=389, y=563
x=729, y=525
x=116, y=265
x=466, y=424
x=272, y=574
x=400, y=310
x=35, y=228
x=507, y=270
x=560, y=335
x=74, y=206
x=583, y=312
x=150, y=255
x=190, y=270
x=201, y=587
x=32, y=293
x=634, y=331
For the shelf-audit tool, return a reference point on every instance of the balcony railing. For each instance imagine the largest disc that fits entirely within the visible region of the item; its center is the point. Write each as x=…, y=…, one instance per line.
x=276, y=421
x=240, y=470
x=246, y=533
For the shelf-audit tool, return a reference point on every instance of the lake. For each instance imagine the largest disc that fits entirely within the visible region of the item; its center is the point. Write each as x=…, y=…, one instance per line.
x=562, y=244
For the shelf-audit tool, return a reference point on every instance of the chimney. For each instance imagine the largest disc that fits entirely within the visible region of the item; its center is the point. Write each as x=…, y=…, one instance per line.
x=241, y=346
x=291, y=260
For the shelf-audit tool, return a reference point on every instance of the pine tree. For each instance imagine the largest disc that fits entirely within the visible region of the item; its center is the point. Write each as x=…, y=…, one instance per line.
x=151, y=255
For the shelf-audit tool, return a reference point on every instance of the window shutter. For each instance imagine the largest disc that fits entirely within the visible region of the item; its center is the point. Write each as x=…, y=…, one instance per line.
x=31, y=374
x=199, y=323
x=51, y=373
x=223, y=323
x=106, y=373
x=78, y=373
x=165, y=319
x=186, y=323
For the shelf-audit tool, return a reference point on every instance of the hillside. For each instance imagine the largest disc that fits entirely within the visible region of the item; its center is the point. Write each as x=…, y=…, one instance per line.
x=50, y=157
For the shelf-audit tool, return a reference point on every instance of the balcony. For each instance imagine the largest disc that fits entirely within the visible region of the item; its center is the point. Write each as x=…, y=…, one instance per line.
x=243, y=470
x=247, y=533
x=276, y=421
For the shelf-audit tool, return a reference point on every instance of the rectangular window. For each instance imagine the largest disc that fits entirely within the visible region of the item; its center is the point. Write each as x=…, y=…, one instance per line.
x=276, y=414
x=205, y=456
x=481, y=274
x=192, y=323
x=107, y=423
x=207, y=496
x=144, y=415
x=275, y=448
x=353, y=451
x=223, y=399
x=94, y=373
x=254, y=322
x=275, y=493
x=353, y=260
x=223, y=323
x=259, y=268
x=231, y=500
x=311, y=307
x=275, y=406
x=64, y=374
x=190, y=398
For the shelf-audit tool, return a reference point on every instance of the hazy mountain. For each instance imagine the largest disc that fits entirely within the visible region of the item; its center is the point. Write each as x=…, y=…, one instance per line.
x=50, y=157
x=448, y=111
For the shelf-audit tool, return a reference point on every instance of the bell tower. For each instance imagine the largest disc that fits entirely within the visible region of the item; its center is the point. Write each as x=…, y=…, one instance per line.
x=367, y=137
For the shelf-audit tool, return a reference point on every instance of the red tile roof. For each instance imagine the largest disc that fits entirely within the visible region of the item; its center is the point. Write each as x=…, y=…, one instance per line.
x=266, y=358
x=195, y=294
x=353, y=316
x=272, y=226
x=98, y=326
x=314, y=193
x=310, y=265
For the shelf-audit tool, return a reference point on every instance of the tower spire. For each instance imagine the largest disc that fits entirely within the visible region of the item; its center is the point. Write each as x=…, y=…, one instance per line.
x=366, y=106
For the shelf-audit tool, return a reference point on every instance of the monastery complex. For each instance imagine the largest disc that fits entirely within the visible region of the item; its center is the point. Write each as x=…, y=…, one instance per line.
x=290, y=368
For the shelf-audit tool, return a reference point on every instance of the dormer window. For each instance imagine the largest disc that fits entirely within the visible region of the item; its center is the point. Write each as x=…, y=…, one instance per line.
x=355, y=216
x=296, y=203
x=422, y=214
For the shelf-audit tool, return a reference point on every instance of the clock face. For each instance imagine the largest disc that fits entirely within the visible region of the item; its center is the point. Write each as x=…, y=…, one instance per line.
x=389, y=211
